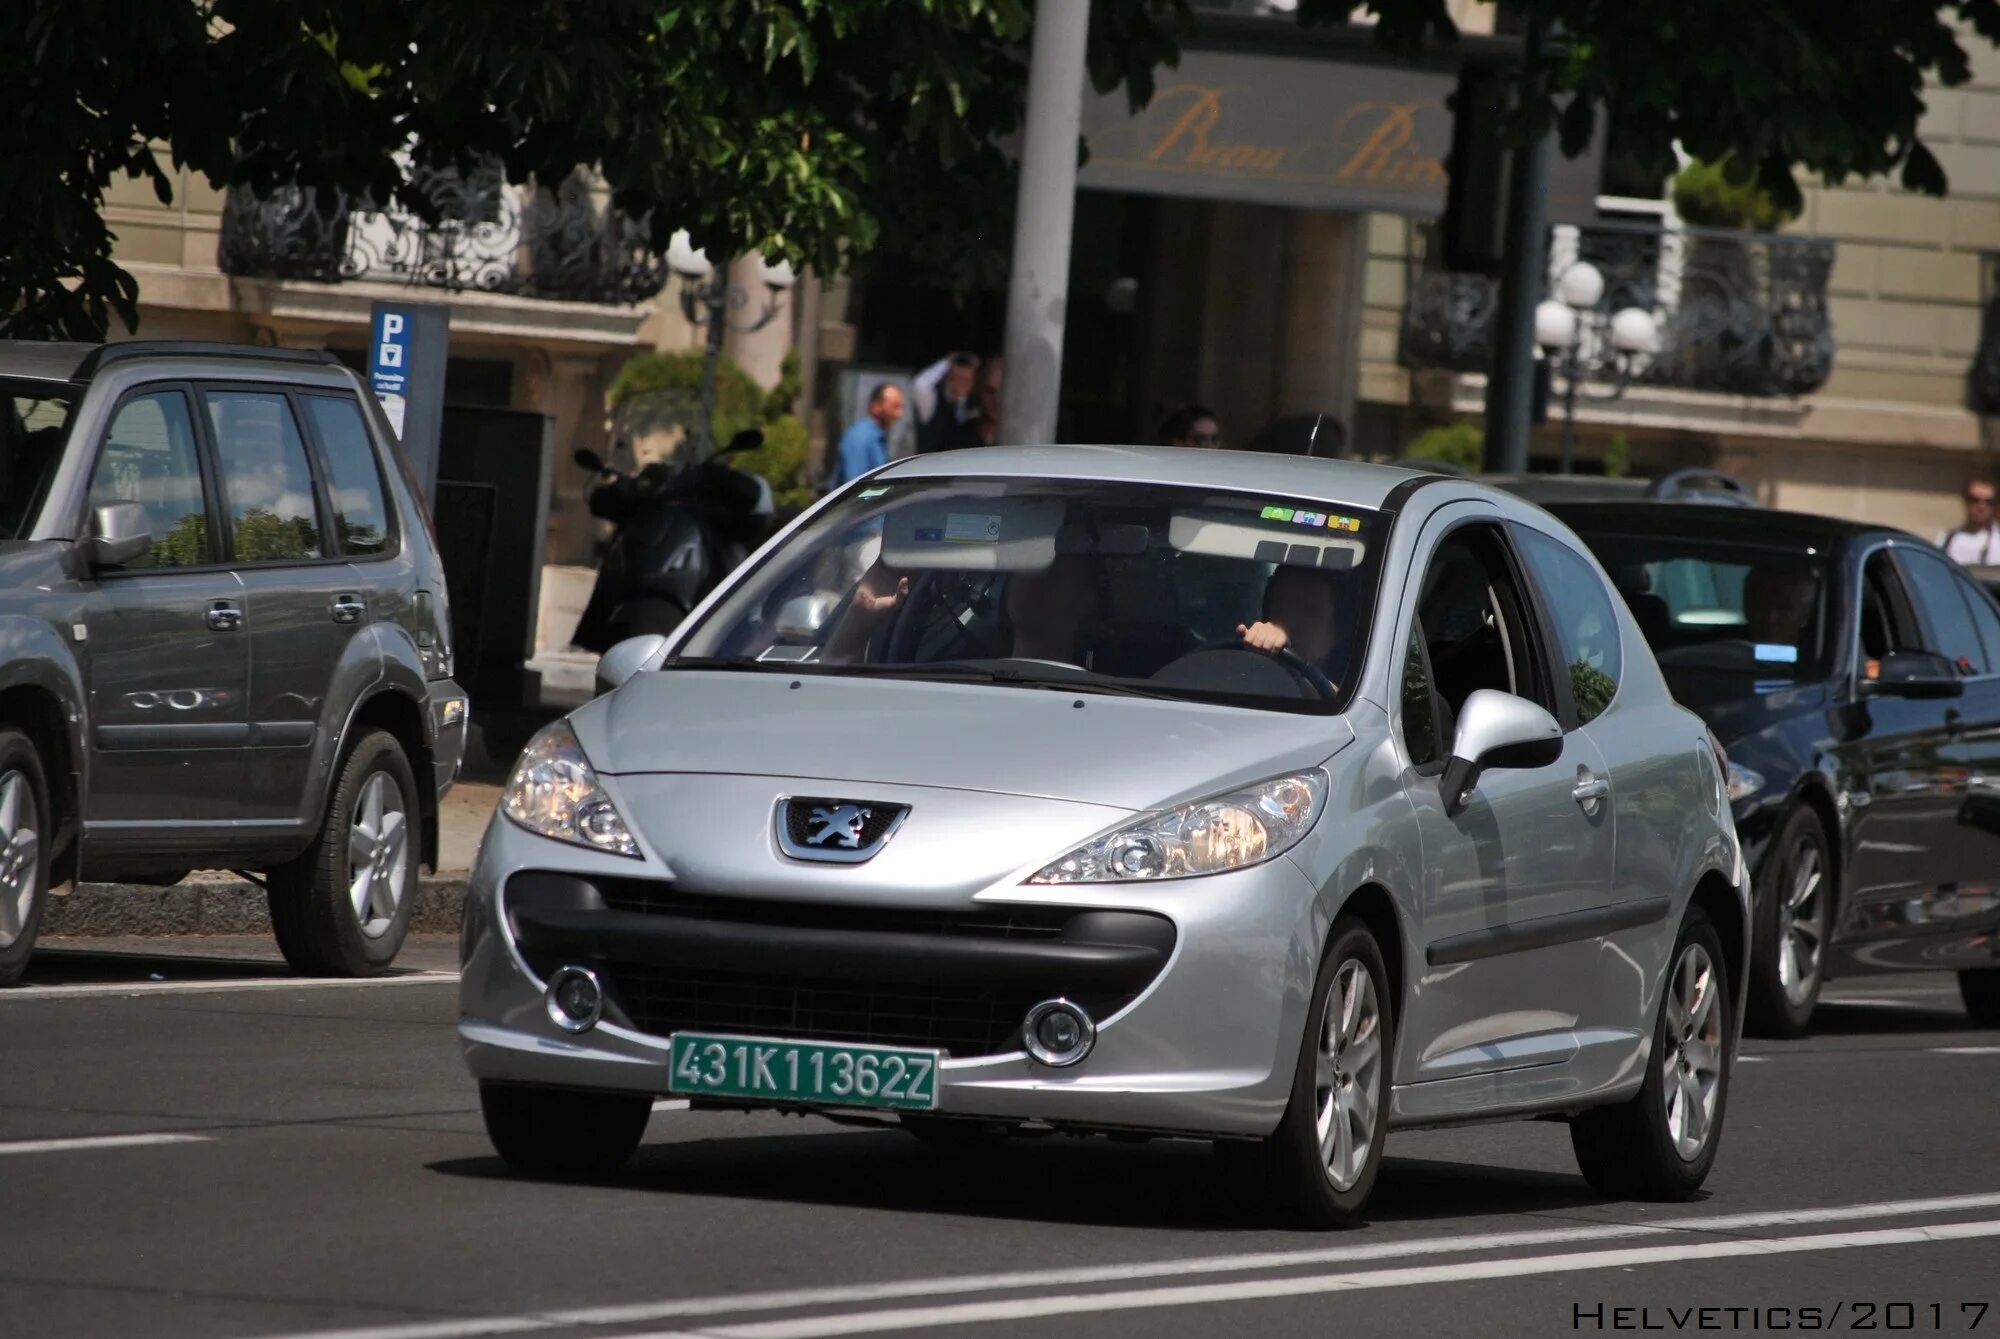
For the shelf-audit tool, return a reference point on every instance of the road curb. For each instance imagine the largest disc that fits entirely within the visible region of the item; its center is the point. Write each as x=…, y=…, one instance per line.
x=220, y=907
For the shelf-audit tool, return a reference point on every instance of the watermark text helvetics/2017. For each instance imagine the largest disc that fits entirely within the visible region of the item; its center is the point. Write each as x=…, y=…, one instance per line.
x=1949, y=1317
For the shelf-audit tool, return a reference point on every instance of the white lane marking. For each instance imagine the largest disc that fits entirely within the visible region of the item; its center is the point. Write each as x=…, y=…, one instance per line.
x=101, y=990
x=1753, y=1059
x=1965, y=1050
x=1208, y=1294
x=99, y=1141
x=671, y=1104
x=640, y=1313
x=1874, y=1002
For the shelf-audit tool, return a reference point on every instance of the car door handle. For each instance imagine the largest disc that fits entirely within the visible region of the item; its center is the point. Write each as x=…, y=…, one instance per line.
x=224, y=616
x=347, y=607
x=1589, y=791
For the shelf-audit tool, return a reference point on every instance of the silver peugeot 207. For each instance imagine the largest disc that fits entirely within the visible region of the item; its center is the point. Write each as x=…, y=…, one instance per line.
x=1271, y=801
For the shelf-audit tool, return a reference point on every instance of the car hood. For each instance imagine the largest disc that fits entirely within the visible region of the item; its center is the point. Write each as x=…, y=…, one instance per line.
x=1127, y=753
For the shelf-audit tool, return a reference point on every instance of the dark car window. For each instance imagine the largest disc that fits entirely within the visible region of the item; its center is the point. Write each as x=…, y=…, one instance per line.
x=1476, y=625
x=150, y=458
x=1420, y=709
x=266, y=483
x=1985, y=618
x=1948, y=621
x=354, y=480
x=1586, y=624
x=34, y=420
x=1887, y=622
x=1722, y=610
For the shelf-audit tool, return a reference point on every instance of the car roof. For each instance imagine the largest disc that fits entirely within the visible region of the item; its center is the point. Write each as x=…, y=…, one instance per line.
x=41, y=360
x=1343, y=482
x=1741, y=525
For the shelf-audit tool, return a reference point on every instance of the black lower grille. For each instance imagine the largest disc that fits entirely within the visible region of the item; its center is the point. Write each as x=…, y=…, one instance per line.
x=964, y=1021
x=1004, y=922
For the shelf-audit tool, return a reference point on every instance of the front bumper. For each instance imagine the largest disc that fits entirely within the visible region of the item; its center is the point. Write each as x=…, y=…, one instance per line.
x=1200, y=1036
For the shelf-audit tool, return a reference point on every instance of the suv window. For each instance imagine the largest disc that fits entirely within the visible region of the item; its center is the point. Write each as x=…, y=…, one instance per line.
x=150, y=458
x=1475, y=627
x=354, y=480
x=267, y=485
x=34, y=419
x=1935, y=588
x=1586, y=624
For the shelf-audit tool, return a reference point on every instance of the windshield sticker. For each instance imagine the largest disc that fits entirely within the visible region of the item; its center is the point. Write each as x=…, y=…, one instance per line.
x=971, y=528
x=867, y=493
x=1784, y=655
x=1317, y=519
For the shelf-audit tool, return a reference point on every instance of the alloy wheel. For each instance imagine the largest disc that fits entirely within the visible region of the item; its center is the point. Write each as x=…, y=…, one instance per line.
x=1691, y=1066
x=20, y=854
x=378, y=854
x=1799, y=926
x=1347, y=1082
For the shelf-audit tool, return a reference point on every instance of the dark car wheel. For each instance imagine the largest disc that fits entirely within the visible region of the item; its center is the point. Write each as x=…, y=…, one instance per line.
x=24, y=852
x=1660, y=1144
x=1794, y=922
x=1319, y=1166
x=343, y=907
x=1979, y=987
x=563, y=1132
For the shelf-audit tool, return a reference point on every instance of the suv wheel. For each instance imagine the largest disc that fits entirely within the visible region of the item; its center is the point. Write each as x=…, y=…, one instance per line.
x=343, y=906
x=24, y=851
x=563, y=1132
x=1794, y=921
x=1659, y=1144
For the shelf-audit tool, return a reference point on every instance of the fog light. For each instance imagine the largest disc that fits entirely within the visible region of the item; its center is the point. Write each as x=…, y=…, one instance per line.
x=575, y=999
x=1058, y=1033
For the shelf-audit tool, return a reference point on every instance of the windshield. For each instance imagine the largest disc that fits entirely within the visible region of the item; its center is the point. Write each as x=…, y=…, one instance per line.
x=34, y=418
x=1140, y=588
x=1751, y=611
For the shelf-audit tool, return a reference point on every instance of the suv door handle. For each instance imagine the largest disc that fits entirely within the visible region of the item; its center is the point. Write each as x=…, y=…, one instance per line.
x=347, y=607
x=224, y=616
x=1589, y=790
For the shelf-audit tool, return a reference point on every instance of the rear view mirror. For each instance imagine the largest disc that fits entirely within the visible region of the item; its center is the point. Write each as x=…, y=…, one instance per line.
x=1913, y=674
x=120, y=533
x=1497, y=729
x=801, y=618
x=626, y=659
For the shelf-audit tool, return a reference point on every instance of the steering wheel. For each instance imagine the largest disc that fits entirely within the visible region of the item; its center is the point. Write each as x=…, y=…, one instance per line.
x=1300, y=667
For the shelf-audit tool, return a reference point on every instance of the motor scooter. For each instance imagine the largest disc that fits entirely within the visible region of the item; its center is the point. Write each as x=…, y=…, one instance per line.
x=680, y=530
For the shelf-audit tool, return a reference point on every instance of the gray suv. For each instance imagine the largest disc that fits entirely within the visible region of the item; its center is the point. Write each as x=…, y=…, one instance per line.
x=223, y=640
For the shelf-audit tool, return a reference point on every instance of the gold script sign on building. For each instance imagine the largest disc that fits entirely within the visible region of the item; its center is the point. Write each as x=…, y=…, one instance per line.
x=1303, y=131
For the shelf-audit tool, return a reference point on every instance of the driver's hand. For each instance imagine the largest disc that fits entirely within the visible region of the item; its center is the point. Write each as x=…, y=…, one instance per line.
x=1263, y=636
x=872, y=601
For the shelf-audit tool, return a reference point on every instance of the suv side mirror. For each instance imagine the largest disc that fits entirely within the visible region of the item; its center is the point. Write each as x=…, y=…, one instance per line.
x=1914, y=674
x=1496, y=729
x=626, y=659
x=120, y=532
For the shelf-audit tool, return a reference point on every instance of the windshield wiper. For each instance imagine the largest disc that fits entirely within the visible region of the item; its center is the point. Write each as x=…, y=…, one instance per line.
x=732, y=663
x=966, y=671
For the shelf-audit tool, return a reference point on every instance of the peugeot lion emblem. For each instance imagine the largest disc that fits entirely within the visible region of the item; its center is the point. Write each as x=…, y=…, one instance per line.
x=844, y=831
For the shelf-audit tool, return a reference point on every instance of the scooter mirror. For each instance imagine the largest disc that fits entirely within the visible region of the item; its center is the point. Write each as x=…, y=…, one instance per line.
x=747, y=440
x=589, y=459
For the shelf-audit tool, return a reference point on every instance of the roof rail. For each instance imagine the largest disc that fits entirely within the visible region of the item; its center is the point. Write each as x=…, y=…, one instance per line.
x=105, y=354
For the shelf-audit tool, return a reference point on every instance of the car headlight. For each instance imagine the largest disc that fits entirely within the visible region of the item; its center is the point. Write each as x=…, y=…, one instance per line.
x=1245, y=827
x=1743, y=781
x=554, y=792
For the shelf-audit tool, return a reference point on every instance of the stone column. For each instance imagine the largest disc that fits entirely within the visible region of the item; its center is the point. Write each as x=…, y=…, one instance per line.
x=761, y=352
x=570, y=388
x=1318, y=361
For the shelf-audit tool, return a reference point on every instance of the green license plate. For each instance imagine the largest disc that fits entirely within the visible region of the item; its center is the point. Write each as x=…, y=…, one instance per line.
x=769, y=1070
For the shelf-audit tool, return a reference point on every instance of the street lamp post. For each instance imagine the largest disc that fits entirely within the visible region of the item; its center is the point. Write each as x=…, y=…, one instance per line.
x=1584, y=342
x=707, y=298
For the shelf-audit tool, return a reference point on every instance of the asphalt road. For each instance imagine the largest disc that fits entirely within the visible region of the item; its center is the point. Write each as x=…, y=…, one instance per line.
x=202, y=1146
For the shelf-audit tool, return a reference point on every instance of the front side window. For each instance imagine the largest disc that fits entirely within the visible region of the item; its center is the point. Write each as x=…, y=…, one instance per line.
x=267, y=486
x=1476, y=626
x=34, y=421
x=1586, y=625
x=150, y=458
x=1935, y=588
x=1032, y=582
x=360, y=514
x=1420, y=716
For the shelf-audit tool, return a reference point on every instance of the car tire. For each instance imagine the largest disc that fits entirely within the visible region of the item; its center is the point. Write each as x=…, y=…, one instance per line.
x=563, y=1132
x=1794, y=923
x=1643, y=1148
x=1340, y=1084
x=1979, y=987
x=332, y=919
x=24, y=851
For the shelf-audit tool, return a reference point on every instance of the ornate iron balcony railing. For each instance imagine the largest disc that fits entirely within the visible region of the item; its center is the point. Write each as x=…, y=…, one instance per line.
x=1738, y=313
x=491, y=237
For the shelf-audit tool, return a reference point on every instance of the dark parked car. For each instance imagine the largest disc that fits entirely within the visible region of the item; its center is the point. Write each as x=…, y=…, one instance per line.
x=1852, y=674
x=223, y=640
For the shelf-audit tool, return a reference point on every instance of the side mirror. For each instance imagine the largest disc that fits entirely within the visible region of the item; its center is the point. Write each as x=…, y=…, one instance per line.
x=588, y=458
x=626, y=659
x=1497, y=729
x=120, y=533
x=1914, y=674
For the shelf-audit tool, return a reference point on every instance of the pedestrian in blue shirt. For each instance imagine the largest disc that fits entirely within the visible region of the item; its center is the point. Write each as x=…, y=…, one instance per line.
x=866, y=445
